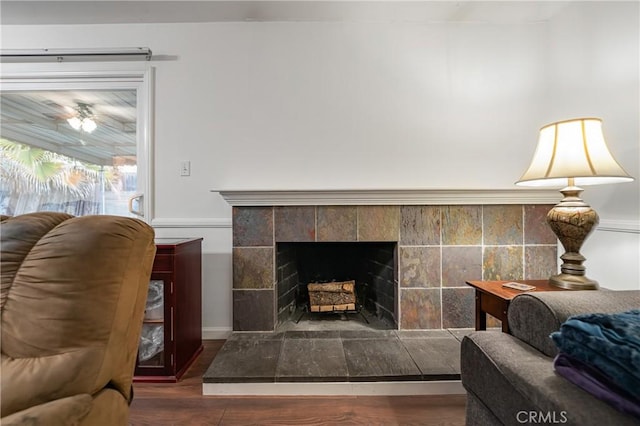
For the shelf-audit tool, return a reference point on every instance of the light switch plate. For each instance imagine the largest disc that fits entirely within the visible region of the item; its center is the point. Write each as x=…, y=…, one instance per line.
x=185, y=168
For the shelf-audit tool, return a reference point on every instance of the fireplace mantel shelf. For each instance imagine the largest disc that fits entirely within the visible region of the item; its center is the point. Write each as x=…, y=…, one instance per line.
x=388, y=197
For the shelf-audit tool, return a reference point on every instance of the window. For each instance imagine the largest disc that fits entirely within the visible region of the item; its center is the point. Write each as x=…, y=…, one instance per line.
x=75, y=142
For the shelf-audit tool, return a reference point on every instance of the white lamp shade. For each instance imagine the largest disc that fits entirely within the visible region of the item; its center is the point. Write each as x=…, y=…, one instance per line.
x=573, y=149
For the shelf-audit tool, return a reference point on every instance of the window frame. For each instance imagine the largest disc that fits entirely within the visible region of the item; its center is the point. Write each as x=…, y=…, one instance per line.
x=137, y=76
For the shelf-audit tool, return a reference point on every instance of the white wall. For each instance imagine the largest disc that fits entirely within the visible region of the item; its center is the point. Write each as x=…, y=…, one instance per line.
x=324, y=105
x=284, y=105
x=613, y=259
x=593, y=69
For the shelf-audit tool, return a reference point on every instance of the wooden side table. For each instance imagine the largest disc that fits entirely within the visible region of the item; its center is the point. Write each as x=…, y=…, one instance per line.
x=493, y=299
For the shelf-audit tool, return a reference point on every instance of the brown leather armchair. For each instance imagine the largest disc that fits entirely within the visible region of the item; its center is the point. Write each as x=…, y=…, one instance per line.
x=72, y=299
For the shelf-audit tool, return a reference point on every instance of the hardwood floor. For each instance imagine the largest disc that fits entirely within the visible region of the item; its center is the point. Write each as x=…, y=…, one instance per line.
x=182, y=403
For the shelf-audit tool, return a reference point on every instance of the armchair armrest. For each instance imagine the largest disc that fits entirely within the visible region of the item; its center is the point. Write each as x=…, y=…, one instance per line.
x=534, y=316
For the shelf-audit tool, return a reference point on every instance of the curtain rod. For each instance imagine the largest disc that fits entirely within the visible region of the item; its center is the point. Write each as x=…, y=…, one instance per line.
x=69, y=55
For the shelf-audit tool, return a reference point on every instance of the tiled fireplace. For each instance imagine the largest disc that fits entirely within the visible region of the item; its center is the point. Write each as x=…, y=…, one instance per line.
x=436, y=248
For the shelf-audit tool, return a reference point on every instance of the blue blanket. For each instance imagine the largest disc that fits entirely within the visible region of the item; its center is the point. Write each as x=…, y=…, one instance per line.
x=609, y=342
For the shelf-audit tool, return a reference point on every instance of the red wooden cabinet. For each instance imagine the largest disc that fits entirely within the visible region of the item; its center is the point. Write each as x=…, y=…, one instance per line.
x=172, y=329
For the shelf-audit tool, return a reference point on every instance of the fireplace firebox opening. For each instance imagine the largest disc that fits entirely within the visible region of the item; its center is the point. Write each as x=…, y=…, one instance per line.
x=371, y=266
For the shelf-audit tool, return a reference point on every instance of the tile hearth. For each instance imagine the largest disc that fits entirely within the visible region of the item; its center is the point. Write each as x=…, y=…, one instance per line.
x=337, y=361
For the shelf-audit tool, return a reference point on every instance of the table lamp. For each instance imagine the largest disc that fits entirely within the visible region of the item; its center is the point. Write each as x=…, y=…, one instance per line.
x=570, y=154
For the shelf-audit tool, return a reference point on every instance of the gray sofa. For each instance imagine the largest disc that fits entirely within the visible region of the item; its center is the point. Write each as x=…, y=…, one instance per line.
x=509, y=378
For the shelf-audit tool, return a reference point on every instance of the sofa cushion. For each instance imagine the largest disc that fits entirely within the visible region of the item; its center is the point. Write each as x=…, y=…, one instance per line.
x=513, y=380
x=534, y=316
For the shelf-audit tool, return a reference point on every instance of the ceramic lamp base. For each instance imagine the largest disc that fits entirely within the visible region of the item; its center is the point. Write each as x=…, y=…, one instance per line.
x=573, y=282
x=572, y=220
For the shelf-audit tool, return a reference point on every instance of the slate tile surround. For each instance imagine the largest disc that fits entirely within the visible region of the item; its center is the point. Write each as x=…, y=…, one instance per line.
x=439, y=247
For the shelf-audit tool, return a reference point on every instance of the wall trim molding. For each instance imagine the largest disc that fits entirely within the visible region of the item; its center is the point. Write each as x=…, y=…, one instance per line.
x=389, y=197
x=198, y=222
x=627, y=226
x=606, y=225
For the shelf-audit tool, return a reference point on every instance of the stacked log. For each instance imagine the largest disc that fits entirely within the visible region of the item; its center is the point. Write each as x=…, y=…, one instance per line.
x=333, y=296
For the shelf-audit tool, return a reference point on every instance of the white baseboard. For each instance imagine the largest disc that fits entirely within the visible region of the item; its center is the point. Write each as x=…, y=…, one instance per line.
x=445, y=387
x=216, y=333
